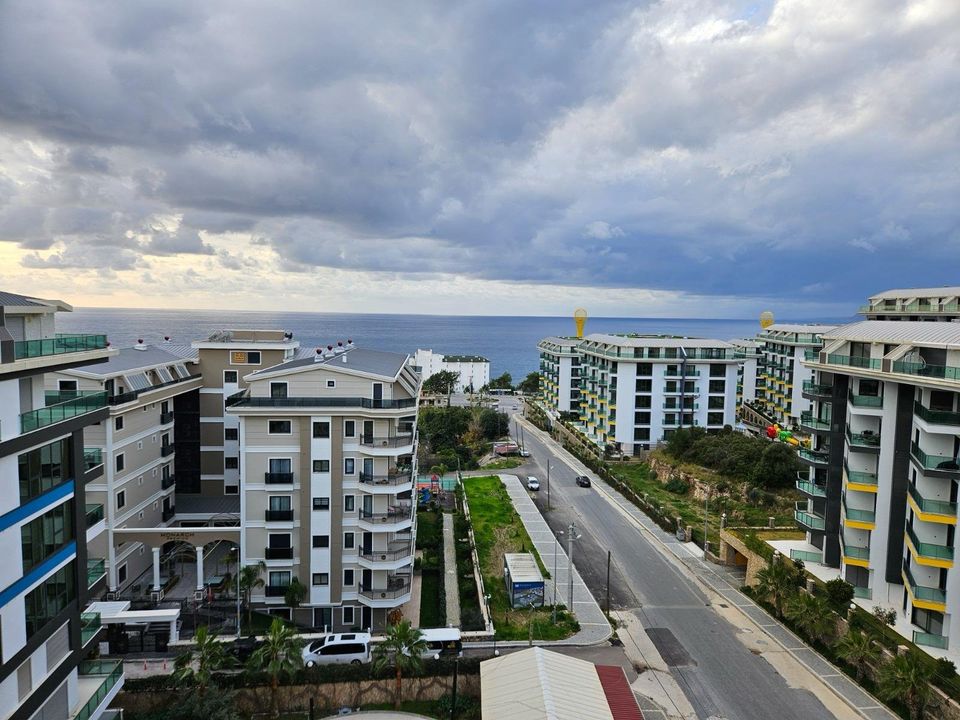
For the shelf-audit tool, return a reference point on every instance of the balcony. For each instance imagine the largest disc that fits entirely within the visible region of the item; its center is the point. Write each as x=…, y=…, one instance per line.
x=395, y=556
x=808, y=519
x=817, y=458
x=928, y=553
x=854, y=555
x=678, y=373
x=853, y=361
x=278, y=553
x=936, y=417
x=809, y=422
x=930, y=640
x=393, y=519
x=278, y=478
x=61, y=344
x=278, y=515
x=867, y=440
x=936, y=464
x=391, y=480
x=864, y=593
x=397, y=590
x=929, y=510
x=867, y=480
x=96, y=569
x=91, y=458
x=811, y=489
x=857, y=518
x=94, y=513
x=392, y=441
x=131, y=395
x=242, y=400
x=939, y=372
x=924, y=596
x=168, y=482
x=97, y=680
x=89, y=626
x=815, y=391
x=168, y=514
x=675, y=408
x=806, y=556
x=870, y=401
x=166, y=450
x=36, y=419
x=166, y=418
x=275, y=590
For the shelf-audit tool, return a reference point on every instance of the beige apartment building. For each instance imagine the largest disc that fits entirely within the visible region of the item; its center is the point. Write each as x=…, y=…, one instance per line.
x=328, y=466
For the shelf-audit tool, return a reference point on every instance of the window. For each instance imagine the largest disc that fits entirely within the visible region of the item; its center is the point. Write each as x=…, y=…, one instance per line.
x=641, y=418
x=50, y=598
x=349, y=466
x=347, y=615
x=872, y=388
x=348, y=540
x=279, y=427
x=44, y=468
x=321, y=503
x=43, y=536
x=121, y=499
x=229, y=377
x=348, y=504
x=321, y=429
x=331, y=383
x=118, y=422
x=643, y=401
x=245, y=357
x=279, y=502
x=349, y=428
x=231, y=463
x=644, y=369
x=715, y=402
x=119, y=462
x=321, y=578
x=279, y=578
x=641, y=434
x=122, y=574
x=348, y=577
x=718, y=371
x=321, y=466
x=717, y=386
x=321, y=541
x=714, y=418
x=231, y=434
x=278, y=540
x=644, y=386
x=139, y=444
x=278, y=389
x=231, y=489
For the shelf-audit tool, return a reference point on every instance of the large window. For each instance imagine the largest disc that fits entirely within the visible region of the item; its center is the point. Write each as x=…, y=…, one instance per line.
x=349, y=428
x=43, y=536
x=321, y=429
x=278, y=390
x=718, y=370
x=44, y=468
x=50, y=598
x=279, y=427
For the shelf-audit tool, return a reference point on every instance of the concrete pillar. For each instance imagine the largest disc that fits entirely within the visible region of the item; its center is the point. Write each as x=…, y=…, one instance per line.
x=174, y=635
x=199, y=567
x=156, y=569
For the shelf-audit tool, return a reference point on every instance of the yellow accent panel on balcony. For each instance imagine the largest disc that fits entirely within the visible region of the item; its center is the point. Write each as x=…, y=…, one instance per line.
x=923, y=559
x=859, y=524
x=922, y=604
x=859, y=562
x=930, y=517
x=859, y=487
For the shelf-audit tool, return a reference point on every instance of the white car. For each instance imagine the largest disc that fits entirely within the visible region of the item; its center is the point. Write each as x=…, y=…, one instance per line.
x=533, y=483
x=353, y=648
x=524, y=453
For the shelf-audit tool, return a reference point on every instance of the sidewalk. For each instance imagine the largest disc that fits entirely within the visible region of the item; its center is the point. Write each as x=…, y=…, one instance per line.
x=715, y=579
x=450, y=588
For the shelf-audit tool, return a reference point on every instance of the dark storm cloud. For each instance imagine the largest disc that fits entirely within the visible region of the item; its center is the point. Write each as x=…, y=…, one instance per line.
x=686, y=145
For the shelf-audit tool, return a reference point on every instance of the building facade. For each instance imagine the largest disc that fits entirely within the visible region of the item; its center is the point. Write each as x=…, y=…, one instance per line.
x=47, y=522
x=328, y=456
x=473, y=370
x=749, y=352
x=914, y=304
x=560, y=374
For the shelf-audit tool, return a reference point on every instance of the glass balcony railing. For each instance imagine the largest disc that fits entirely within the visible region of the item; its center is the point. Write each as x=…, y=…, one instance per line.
x=112, y=673
x=934, y=507
x=813, y=388
x=42, y=417
x=94, y=513
x=804, y=517
x=92, y=457
x=811, y=355
x=853, y=551
x=89, y=626
x=929, y=549
x=868, y=439
x=816, y=457
x=860, y=477
x=96, y=569
x=923, y=592
x=864, y=593
x=865, y=400
x=808, y=420
x=857, y=515
x=934, y=462
x=58, y=345
x=930, y=640
x=853, y=361
x=810, y=488
x=941, y=372
x=806, y=556
x=939, y=417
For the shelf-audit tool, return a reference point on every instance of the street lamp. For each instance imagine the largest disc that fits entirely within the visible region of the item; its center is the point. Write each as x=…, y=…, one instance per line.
x=486, y=598
x=548, y=485
x=574, y=535
x=555, y=543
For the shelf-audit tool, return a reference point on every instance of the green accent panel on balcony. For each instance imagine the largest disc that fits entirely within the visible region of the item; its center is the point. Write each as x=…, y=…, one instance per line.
x=112, y=673
x=677, y=373
x=96, y=569
x=854, y=551
x=940, y=372
x=864, y=440
x=815, y=456
x=853, y=361
x=816, y=388
x=923, y=592
x=939, y=417
x=934, y=507
x=862, y=592
x=808, y=420
x=61, y=344
x=94, y=513
x=874, y=401
x=89, y=626
x=857, y=476
x=930, y=640
x=812, y=489
x=927, y=461
x=857, y=515
x=811, y=355
x=36, y=419
x=804, y=517
x=929, y=549
x=806, y=556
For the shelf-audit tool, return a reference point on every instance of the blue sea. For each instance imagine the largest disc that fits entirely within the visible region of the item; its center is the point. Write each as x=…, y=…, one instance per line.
x=510, y=343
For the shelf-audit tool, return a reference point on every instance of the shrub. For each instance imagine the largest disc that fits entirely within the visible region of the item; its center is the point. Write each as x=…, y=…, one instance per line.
x=677, y=485
x=839, y=594
x=884, y=615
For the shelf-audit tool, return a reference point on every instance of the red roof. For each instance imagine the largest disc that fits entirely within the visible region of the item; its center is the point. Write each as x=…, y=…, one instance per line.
x=620, y=698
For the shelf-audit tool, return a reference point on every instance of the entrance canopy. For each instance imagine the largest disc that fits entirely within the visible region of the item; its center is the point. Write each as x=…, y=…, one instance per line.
x=112, y=613
x=197, y=536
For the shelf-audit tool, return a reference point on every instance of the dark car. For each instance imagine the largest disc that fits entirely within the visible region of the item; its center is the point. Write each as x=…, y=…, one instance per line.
x=583, y=481
x=244, y=648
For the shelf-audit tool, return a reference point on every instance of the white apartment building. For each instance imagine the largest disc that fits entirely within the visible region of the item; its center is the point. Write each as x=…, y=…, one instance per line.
x=781, y=373
x=560, y=374
x=884, y=470
x=473, y=370
x=328, y=471
x=749, y=352
x=47, y=521
x=637, y=389
x=931, y=304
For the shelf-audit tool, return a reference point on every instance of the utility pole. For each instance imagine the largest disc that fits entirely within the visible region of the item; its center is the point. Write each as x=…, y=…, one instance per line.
x=548, y=486
x=555, y=548
x=570, y=538
x=608, y=583
x=706, y=509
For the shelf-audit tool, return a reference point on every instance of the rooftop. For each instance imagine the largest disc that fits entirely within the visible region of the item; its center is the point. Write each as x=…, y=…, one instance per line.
x=946, y=292
x=374, y=362
x=465, y=358
x=131, y=358
x=636, y=340
x=10, y=300
x=797, y=328
x=269, y=339
x=930, y=334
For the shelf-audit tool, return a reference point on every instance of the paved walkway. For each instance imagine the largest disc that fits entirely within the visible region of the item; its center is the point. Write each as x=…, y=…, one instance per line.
x=594, y=627
x=726, y=584
x=450, y=588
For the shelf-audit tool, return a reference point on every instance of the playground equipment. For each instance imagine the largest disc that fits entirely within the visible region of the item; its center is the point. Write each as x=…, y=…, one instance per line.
x=775, y=432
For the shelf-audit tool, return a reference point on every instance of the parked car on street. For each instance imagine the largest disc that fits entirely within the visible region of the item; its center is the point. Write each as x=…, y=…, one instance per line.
x=353, y=648
x=583, y=481
x=533, y=483
x=524, y=453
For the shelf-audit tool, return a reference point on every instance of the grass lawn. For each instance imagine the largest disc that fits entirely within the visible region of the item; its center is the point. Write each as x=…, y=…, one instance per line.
x=498, y=530
x=503, y=464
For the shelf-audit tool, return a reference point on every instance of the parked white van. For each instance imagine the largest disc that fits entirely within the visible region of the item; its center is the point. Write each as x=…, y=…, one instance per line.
x=444, y=642
x=338, y=649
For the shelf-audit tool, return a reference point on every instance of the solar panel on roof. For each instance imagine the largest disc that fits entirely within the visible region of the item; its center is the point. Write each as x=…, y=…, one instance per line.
x=182, y=371
x=138, y=381
x=164, y=374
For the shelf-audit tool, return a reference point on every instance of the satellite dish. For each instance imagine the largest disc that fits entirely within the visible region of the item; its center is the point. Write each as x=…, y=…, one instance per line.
x=766, y=319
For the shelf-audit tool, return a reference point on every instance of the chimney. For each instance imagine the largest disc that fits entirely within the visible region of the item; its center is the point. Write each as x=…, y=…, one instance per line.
x=339, y=349
x=329, y=352
x=139, y=345
x=319, y=355
x=166, y=338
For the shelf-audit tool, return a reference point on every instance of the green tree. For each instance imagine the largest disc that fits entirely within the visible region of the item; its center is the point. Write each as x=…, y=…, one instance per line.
x=295, y=593
x=777, y=581
x=777, y=467
x=530, y=384
x=215, y=704
x=197, y=666
x=504, y=382
x=441, y=383
x=441, y=427
x=859, y=650
x=839, y=594
x=493, y=424
x=278, y=655
x=907, y=677
x=250, y=578
x=812, y=615
x=402, y=649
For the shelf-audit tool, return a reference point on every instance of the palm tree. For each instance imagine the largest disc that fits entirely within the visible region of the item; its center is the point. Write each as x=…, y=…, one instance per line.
x=811, y=614
x=777, y=581
x=278, y=654
x=907, y=677
x=402, y=649
x=858, y=649
x=295, y=593
x=250, y=579
x=209, y=656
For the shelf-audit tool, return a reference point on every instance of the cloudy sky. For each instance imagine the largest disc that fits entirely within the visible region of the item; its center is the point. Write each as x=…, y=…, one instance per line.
x=676, y=158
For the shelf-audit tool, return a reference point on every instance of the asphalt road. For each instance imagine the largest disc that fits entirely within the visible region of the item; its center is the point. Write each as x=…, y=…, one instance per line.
x=720, y=676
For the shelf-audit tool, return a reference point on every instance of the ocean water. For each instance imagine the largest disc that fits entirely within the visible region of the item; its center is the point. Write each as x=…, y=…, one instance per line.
x=510, y=343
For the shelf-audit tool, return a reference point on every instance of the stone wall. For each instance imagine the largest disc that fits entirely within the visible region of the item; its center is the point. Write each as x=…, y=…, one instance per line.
x=733, y=551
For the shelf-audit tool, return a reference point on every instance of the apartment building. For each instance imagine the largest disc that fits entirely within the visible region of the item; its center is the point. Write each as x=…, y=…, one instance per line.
x=47, y=521
x=781, y=373
x=153, y=397
x=914, y=304
x=882, y=488
x=560, y=374
x=225, y=358
x=328, y=457
x=637, y=389
x=473, y=370
x=749, y=352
